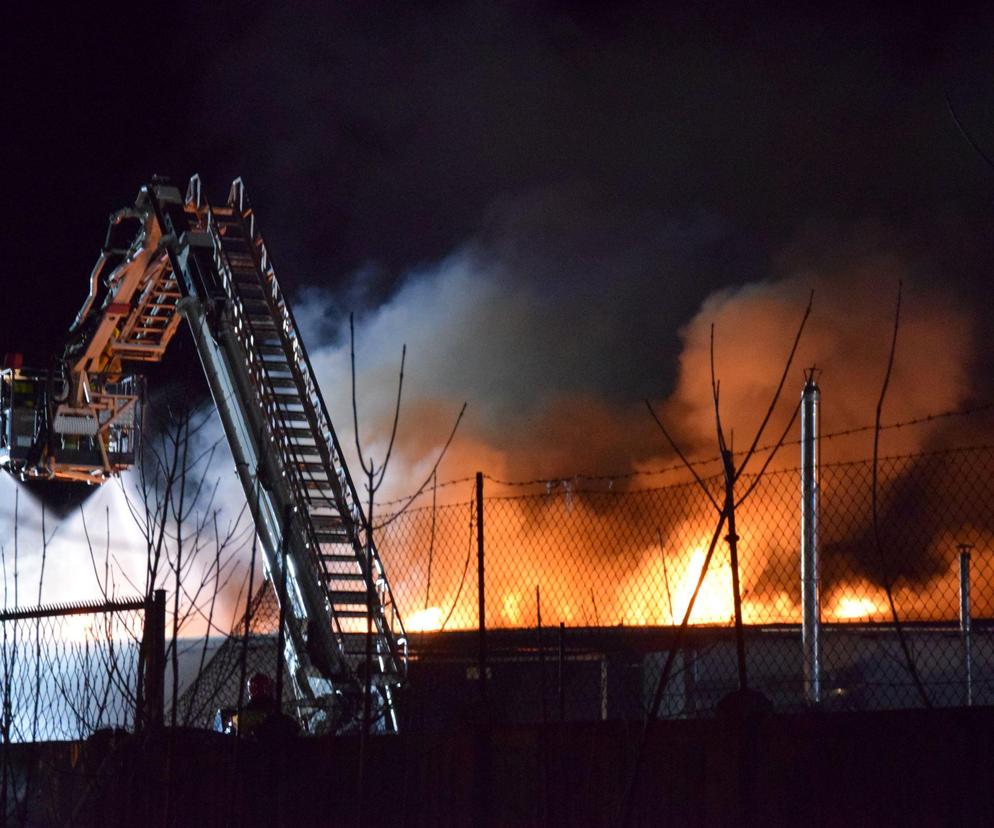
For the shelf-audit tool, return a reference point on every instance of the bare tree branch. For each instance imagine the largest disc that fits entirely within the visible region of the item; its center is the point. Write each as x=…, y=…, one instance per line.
x=874, y=500
x=431, y=473
x=683, y=457
x=776, y=395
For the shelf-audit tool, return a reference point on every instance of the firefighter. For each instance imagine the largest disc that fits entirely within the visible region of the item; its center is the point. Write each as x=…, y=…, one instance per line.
x=262, y=717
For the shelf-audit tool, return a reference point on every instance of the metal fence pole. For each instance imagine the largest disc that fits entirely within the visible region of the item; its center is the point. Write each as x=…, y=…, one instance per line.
x=541, y=655
x=480, y=583
x=154, y=635
x=964, y=619
x=810, y=610
x=690, y=668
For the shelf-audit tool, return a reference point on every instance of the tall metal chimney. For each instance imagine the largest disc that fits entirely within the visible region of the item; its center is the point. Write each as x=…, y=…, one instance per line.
x=810, y=609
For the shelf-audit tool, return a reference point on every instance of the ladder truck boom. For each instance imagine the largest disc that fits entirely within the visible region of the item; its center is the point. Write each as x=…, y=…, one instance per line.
x=172, y=257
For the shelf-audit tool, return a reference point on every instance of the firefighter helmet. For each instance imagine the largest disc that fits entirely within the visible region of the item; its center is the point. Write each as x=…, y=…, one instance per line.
x=260, y=686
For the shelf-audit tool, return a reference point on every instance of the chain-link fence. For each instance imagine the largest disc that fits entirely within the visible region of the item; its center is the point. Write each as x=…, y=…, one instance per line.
x=220, y=685
x=622, y=560
x=68, y=671
x=612, y=568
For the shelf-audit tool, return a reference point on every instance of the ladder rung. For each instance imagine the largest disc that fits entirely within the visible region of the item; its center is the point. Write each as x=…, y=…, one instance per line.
x=291, y=409
x=254, y=306
x=349, y=596
x=269, y=338
x=250, y=290
x=244, y=274
x=284, y=391
x=351, y=613
x=298, y=433
x=307, y=459
x=337, y=558
x=281, y=382
x=323, y=501
x=306, y=454
x=303, y=442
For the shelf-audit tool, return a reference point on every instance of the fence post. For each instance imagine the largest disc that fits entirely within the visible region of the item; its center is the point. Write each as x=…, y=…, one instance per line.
x=964, y=619
x=810, y=609
x=690, y=669
x=154, y=644
x=483, y=765
x=541, y=655
x=480, y=582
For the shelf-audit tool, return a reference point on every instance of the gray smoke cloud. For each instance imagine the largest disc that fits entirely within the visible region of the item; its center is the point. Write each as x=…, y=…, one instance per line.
x=554, y=347
x=553, y=336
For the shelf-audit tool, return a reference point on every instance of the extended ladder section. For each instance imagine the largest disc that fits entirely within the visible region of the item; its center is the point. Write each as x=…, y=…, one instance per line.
x=78, y=421
x=290, y=461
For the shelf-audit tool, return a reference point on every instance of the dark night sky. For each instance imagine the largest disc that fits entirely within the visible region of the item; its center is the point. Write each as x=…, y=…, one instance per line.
x=582, y=146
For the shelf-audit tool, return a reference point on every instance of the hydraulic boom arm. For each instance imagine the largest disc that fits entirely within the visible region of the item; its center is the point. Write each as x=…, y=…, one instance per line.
x=80, y=420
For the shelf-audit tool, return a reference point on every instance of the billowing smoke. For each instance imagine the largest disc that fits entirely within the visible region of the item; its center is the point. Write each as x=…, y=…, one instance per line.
x=554, y=331
x=554, y=373
x=847, y=338
x=92, y=549
x=554, y=368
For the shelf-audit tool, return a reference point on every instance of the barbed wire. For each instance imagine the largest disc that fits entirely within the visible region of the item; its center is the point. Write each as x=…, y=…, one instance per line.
x=566, y=484
x=559, y=480
x=717, y=459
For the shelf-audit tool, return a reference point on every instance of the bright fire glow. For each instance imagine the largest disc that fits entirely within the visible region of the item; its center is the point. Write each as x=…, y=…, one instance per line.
x=425, y=620
x=850, y=606
x=714, y=602
x=512, y=607
x=84, y=628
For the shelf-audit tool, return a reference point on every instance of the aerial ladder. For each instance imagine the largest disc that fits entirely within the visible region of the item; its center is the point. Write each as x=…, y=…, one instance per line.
x=172, y=257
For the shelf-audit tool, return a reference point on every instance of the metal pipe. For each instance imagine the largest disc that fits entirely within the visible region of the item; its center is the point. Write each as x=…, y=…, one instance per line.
x=690, y=672
x=810, y=610
x=541, y=654
x=480, y=588
x=964, y=619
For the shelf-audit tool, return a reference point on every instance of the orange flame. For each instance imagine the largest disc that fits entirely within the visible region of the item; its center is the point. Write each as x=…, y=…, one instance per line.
x=425, y=620
x=714, y=602
x=850, y=607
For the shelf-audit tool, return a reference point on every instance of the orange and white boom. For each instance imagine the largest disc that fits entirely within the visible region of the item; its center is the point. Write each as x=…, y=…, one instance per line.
x=80, y=420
